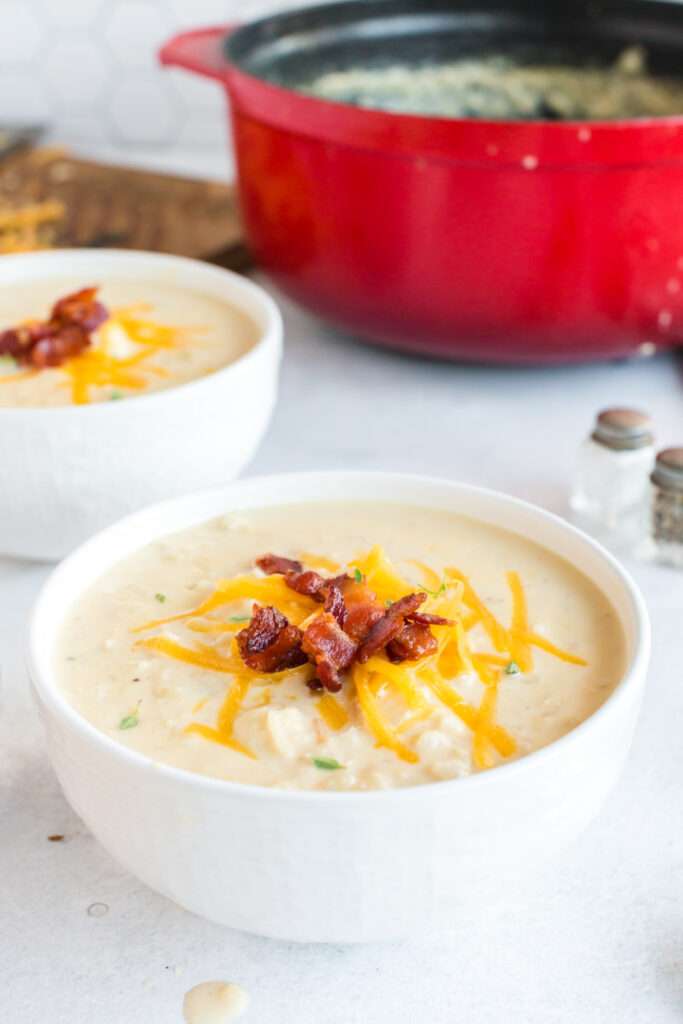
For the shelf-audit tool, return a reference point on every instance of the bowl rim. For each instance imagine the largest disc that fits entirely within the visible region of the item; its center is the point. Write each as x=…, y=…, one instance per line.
x=269, y=339
x=48, y=695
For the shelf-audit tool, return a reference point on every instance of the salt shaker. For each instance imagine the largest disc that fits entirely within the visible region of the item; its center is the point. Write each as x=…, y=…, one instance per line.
x=666, y=508
x=611, y=486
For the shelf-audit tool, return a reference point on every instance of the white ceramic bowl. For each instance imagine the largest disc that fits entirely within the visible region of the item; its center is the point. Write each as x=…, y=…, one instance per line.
x=335, y=867
x=69, y=471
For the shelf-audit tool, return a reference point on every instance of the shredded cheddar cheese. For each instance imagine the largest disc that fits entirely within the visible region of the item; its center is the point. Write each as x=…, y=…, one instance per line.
x=319, y=562
x=545, y=645
x=496, y=632
x=481, y=746
x=519, y=644
x=267, y=590
x=377, y=725
x=223, y=733
x=431, y=579
x=332, y=712
x=19, y=375
x=381, y=576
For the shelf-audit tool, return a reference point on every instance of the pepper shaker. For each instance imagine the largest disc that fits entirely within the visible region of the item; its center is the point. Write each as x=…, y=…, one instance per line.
x=611, y=486
x=666, y=508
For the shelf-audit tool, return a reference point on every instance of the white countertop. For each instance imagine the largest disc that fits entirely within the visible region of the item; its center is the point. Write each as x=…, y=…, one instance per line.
x=600, y=937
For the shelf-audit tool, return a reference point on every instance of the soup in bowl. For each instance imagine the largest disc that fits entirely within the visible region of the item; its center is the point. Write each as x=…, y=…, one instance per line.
x=440, y=681
x=69, y=344
x=125, y=378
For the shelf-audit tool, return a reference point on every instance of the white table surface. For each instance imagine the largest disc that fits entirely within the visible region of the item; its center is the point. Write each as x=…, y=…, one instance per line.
x=598, y=938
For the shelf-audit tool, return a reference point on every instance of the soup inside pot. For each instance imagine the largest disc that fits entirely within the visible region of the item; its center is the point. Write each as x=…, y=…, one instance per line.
x=497, y=87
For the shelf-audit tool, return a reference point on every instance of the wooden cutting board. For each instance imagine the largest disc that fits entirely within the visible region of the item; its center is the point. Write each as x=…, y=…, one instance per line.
x=48, y=198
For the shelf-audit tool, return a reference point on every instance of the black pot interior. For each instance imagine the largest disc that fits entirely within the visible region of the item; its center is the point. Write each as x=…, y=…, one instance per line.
x=294, y=47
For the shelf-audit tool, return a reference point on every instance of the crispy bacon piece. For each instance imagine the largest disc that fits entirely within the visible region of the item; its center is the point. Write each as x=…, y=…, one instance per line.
x=363, y=609
x=334, y=602
x=330, y=648
x=270, y=643
x=427, y=619
x=80, y=308
x=55, y=350
x=414, y=640
x=308, y=583
x=18, y=341
x=271, y=564
x=64, y=335
x=389, y=625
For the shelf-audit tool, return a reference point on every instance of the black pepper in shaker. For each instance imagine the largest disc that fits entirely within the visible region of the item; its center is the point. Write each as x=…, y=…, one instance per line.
x=666, y=514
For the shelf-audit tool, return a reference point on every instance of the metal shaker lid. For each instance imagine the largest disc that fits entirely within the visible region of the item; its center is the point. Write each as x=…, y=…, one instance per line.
x=623, y=429
x=668, y=471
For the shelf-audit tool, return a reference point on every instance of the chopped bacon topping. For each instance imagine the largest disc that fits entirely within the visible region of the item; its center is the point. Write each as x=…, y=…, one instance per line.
x=55, y=350
x=330, y=649
x=80, y=308
x=385, y=629
x=413, y=640
x=309, y=583
x=352, y=626
x=64, y=335
x=363, y=609
x=271, y=564
x=426, y=619
x=18, y=341
x=334, y=602
x=270, y=643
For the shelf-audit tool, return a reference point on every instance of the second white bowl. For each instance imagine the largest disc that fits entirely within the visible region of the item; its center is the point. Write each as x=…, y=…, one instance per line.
x=68, y=471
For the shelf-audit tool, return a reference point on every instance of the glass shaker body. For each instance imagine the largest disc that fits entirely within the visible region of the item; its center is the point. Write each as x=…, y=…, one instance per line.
x=611, y=485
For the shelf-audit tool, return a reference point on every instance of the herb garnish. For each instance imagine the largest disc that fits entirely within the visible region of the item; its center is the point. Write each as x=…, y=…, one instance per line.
x=160, y=598
x=512, y=669
x=358, y=575
x=8, y=362
x=434, y=593
x=239, y=618
x=129, y=721
x=115, y=396
x=327, y=764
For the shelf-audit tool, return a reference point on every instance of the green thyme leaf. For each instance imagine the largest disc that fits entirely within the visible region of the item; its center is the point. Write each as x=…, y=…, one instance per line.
x=7, y=362
x=388, y=603
x=160, y=598
x=129, y=721
x=358, y=575
x=239, y=618
x=327, y=764
x=115, y=396
x=512, y=669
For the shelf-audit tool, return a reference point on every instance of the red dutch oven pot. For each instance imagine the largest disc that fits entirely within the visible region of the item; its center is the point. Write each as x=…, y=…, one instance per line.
x=494, y=241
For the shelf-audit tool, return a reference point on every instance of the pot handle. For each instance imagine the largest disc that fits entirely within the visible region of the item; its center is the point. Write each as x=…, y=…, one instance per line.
x=200, y=50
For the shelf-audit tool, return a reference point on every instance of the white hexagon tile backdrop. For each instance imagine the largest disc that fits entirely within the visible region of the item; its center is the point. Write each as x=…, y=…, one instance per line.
x=88, y=70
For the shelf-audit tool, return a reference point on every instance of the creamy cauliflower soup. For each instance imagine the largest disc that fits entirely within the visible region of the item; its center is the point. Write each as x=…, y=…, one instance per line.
x=64, y=343
x=340, y=646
